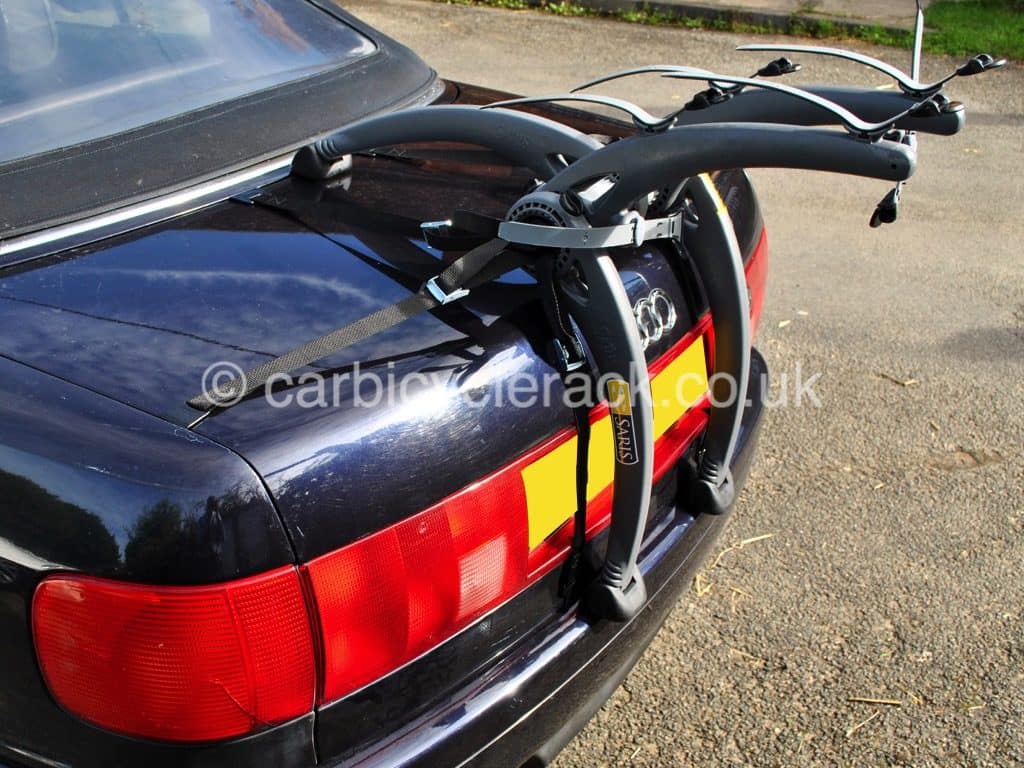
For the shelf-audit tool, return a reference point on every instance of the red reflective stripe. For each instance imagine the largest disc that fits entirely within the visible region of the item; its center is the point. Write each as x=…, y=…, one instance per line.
x=757, y=279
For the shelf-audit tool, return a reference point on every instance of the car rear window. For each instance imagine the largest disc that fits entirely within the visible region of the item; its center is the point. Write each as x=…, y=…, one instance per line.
x=73, y=71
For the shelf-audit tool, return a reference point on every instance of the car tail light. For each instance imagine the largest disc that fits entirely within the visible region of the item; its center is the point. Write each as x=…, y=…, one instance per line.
x=177, y=663
x=757, y=279
x=389, y=597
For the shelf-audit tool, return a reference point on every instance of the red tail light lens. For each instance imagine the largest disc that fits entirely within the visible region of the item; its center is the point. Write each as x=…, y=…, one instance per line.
x=391, y=596
x=177, y=663
x=757, y=279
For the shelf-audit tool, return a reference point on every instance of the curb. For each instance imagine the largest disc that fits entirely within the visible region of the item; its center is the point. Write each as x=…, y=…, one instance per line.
x=780, y=21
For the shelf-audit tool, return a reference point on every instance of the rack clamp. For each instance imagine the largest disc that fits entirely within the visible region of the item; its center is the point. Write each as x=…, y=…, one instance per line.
x=635, y=231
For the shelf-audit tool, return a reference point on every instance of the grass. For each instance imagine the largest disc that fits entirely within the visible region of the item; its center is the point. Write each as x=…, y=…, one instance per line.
x=972, y=26
x=955, y=27
x=638, y=16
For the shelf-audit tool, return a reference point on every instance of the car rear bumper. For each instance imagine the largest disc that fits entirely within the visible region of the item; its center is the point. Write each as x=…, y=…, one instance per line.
x=526, y=710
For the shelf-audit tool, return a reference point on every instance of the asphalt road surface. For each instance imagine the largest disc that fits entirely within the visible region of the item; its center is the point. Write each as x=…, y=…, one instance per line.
x=893, y=560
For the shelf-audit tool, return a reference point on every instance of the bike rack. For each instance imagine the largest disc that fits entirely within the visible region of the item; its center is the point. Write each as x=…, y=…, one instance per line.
x=594, y=198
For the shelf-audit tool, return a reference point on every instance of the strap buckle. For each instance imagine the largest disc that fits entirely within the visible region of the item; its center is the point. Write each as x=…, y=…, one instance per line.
x=436, y=227
x=569, y=361
x=441, y=296
x=668, y=228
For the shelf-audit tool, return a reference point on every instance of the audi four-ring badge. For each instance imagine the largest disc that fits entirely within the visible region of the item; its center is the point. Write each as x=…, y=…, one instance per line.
x=655, y=316
x=295, y=468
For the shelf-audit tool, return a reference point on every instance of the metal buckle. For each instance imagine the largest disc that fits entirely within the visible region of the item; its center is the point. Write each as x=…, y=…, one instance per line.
x=568, y=363
x=435, y=226
x=670, y=227
x=440, y=296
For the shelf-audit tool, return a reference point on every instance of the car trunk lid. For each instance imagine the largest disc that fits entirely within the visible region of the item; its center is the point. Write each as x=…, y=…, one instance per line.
x=144, y=317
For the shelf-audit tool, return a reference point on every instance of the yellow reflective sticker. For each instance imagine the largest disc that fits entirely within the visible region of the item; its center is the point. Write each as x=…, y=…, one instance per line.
x=551, y=480
x=721, y=208
x=619, y=400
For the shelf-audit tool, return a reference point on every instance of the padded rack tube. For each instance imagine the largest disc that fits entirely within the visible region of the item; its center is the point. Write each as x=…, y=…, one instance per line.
x=533, y=142
x=643, y=164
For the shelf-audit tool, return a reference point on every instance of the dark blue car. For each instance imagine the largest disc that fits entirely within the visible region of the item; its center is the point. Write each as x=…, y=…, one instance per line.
x=353, y=569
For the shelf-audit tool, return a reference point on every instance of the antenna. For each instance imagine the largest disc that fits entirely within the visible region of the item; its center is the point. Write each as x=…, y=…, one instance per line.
x=915, y=63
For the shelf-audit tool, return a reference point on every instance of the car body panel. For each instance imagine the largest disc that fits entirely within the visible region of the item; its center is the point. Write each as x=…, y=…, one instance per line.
x=90, y=484
x=81, y=490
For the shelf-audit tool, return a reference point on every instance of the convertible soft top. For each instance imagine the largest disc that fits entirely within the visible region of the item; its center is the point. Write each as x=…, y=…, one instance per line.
x=53, y=188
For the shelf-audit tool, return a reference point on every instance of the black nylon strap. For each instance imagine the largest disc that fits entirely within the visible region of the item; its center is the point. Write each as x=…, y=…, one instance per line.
x=459, y=274
x=569, y=356
x=571, y=569
x=477, y=223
